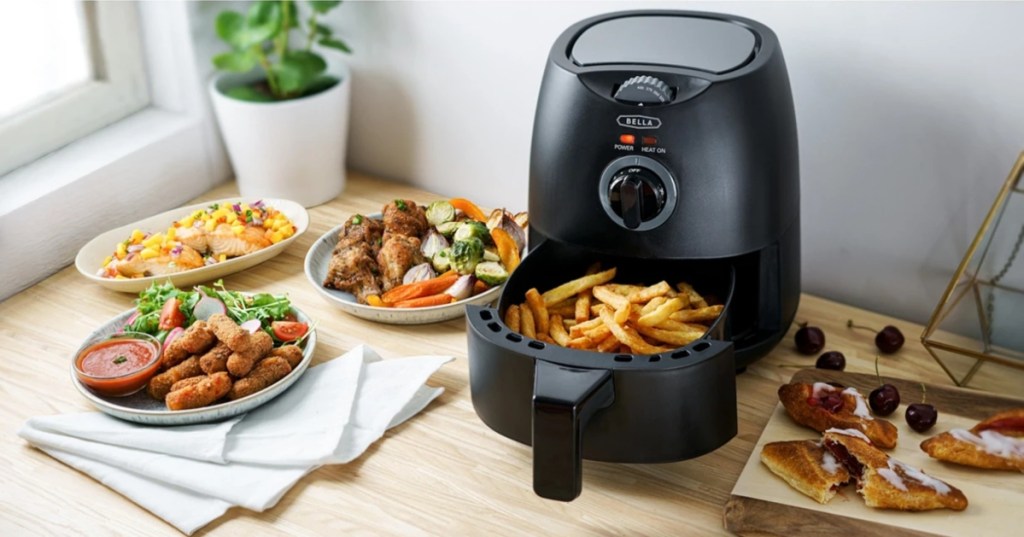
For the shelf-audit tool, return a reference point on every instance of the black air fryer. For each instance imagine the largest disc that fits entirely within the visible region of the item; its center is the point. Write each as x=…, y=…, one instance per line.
x=665, y=145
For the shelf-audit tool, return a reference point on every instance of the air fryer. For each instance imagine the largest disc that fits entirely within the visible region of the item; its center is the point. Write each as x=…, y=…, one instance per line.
x=664, y=144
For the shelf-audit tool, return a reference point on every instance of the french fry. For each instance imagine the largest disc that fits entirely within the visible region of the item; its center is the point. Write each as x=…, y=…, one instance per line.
x=558, y=332
x=545, y=338
x=660, y=313
x=676, y=339
x=512, y=319
x=696, y=300
x=583, y=306
x=577, y=286
x=580, y=328
x=701, y=315
x=581, y=343
x=679, y=326
x=540, y=311
x=654, y=303
x=622, y=314
x=529, y=329
x=610, y=297
x=598, y=333
x=567, y=303
x=608, y=345
x=647, y=293
x=563, y=311
x=569, y=323
x=628, y=336
x=624, y=289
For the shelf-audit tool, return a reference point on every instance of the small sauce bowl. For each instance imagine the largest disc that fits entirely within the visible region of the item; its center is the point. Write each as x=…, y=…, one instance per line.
x=120, y=365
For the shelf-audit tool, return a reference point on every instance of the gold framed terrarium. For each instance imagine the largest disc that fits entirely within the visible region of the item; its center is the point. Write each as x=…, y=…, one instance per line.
x=980, y=317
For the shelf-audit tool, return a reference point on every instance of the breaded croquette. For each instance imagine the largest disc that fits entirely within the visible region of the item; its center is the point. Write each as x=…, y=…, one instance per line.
x=197, y=339
x=267, y=372
x=160, y=385
x=216, y=359
x=228, y=331
x=200, y=394
x=292, y=353
x=240, y=363
x=186, y=382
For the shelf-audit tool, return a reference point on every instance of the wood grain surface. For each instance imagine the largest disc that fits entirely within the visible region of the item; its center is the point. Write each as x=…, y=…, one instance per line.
x=443, y=472
x=763, y=504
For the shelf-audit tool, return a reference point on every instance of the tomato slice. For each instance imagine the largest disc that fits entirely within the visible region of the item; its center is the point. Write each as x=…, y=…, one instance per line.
x=288, y=330
x=171, y=316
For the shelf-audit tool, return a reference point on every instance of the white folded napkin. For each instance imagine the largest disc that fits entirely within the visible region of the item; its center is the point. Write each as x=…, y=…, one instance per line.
x=190, y=475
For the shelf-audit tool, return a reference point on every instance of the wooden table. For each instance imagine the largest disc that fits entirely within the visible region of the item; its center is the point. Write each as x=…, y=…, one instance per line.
x=443, y=472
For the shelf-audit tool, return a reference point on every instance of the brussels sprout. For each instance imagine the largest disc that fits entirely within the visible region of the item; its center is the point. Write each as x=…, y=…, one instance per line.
x=448, y=228
x=440, y=212
x=490, y=254
x=466, y=254
x=433, y=243
x=491, y=273
x=472, y=229
x=442, y=260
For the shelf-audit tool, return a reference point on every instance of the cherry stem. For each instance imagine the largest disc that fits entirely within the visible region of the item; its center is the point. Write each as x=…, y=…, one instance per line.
x=924, y=394
x=801, y=325
x=850, y=324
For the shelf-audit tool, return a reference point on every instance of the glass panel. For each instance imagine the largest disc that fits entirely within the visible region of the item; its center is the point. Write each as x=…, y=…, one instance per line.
x=45, y=52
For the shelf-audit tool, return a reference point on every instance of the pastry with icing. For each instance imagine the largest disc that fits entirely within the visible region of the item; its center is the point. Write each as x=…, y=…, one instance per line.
x=807, y=467
x=822, y=406
x=996, y=443
x=886, y=483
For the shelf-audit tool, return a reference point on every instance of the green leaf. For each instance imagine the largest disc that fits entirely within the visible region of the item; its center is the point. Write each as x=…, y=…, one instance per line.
x=336, y=44
x=248, y=93
x=229, y=26
x=297, y=70
x=293, y=13
x=320, y=29
x=262, y=23
x=237, y=61
x=320, y=83
x=323, y=6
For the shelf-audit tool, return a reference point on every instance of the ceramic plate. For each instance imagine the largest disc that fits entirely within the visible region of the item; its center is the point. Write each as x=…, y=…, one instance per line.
x=90, y=257
x=141, y=408
x=319, y=256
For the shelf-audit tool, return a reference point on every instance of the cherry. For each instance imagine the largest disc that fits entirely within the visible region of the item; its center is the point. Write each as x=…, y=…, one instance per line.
x=831, y=360
x=921, y=416
x=884, y=399
x=888, y=339
x=832, y=402
x=809, y=339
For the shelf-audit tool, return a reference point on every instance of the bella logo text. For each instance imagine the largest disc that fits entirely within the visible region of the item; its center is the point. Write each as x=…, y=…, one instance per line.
x=639, y=122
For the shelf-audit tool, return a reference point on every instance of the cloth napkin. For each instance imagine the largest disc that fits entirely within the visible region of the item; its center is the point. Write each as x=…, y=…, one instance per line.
x=190, y=475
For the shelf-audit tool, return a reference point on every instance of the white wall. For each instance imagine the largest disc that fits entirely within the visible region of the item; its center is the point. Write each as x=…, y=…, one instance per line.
x=909, y=115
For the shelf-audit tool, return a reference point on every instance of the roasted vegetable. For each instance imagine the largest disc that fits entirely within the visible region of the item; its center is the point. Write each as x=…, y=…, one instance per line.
x=507, y=248
x=462, y=288
x=491, y=273
x=505, y=220
x=434, y=242
x=420, y=289
x=440, y=212
x=419, y=273
x=469, y=208
x=472, y=229
x=442, y=261
x=491, y=254
x=448, y=228
x=466, y=254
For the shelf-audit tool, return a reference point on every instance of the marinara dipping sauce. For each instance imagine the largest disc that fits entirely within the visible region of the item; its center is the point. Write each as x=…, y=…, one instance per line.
x=119, y=366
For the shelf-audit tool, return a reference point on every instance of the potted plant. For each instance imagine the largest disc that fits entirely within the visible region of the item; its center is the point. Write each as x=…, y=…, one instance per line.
x=281, y=104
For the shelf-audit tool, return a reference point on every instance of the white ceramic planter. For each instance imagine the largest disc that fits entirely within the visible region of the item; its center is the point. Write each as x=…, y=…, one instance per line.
x=291, y=149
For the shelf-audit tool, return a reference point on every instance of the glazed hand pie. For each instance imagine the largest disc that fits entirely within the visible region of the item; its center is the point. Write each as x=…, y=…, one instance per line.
x=807, y=467
x=822, y=406
x=996, y=443
x=886, y=483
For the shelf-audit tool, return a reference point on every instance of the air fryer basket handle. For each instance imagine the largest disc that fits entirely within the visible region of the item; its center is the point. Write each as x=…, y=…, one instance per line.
x=564, y=400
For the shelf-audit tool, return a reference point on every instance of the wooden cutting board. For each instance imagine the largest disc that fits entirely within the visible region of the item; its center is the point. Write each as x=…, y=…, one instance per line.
x=763, y=504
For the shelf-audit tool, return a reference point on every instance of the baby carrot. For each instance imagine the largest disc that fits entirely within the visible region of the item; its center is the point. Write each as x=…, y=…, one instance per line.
x=422, y=302
x=420, y=289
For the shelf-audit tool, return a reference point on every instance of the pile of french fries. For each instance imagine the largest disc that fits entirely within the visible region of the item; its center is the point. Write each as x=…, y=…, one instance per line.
x=592, y=313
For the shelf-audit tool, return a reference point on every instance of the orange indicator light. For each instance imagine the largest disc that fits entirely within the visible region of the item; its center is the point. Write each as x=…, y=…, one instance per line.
x=649, y=140
x=627, y=139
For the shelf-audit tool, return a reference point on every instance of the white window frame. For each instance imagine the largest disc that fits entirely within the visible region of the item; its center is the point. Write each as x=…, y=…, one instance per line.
x=117, y=89
x=153, y=160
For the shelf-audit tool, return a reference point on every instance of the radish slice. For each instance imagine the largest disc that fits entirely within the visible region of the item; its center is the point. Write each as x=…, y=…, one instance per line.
x=131, y=319
x=171, y=336
x=207, y=307
x=252, y=325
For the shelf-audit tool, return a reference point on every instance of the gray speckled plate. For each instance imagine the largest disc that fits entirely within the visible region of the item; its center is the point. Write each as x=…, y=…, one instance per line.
x=141, y=408
x=319, y=256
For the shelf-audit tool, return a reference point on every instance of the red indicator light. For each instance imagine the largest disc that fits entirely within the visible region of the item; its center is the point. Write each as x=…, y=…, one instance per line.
x=649, y=140
x=627, y=139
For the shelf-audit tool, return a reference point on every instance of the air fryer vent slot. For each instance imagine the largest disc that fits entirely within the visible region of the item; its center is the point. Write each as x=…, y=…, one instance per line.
x=495, y=327
x=535, y=345
x=680, y=354
x=623, y=358
x=702, y=346
x=511, y=336
x=485, y=315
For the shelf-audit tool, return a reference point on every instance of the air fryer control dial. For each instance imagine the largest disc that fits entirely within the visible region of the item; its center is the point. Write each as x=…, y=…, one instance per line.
x=637, y=195
x=643, y=90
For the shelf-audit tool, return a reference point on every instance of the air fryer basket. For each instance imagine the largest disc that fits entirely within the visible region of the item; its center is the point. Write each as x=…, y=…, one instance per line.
x=631, y=408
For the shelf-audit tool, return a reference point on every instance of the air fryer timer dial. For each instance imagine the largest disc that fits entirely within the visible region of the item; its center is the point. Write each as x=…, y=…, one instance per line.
x=637, y=192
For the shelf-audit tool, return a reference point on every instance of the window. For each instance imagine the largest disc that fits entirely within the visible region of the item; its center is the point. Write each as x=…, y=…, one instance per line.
x=70, y=68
